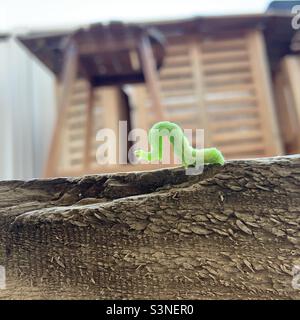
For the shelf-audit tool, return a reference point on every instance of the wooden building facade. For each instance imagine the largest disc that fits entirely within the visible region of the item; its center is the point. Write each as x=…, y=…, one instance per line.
x=221, y=84
x=216, y=74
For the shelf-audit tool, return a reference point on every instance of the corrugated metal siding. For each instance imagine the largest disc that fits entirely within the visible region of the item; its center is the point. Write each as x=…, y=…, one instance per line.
x=27, y=112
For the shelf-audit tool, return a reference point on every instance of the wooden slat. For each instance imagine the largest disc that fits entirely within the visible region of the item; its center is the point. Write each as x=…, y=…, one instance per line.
x=230, y=66
x=234, y=136
x=174, y=61
x=75, y=123
x=225, y=56
x=232, y=112
x=176, y=72
x=213, y=44
x=76, y=113
x=75, y=136
x=179, y=92
x=176, y=50
x=248, y=147
x=178, y=117
x=214, y=80
x=232, y=101
x=139, y=99
x=232, y=88
x=80, y=86
x=77, y=150
x=78, y=142
x=236, y=123
x=180, y=106
x=227, y=76
x=176, y=83
x=78, y=99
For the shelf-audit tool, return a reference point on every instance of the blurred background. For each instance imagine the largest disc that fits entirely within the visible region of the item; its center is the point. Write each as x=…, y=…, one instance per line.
x=70, y=68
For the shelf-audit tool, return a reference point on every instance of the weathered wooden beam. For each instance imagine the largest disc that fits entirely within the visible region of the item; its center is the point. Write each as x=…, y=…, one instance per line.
x=98, y=46
x=231, y=232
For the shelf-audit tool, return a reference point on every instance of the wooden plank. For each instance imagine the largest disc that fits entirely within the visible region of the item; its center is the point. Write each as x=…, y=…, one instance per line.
x=240, y=148
x=183, y=99
x=232, y=124
x=151, y=76
x=230, y=66
x=80, y=85
x=262, y=80
x=233, y=88
x=176, y=83
x=181, y=71
x=286, y=90
x=75, y=113
x=78, y=95
x=190, y=115
x=134, y=60
x=292, y=64
x=76, y=163
x=244, y=246
x=180, y=117
x=225, y=56
x=112, y=112
x=228, y=44
x=77, y=143
x=173, y=61
x=233, y=112
x=76, y=125
x=219, y=79
x=234, y=136
x=94, y=47
x=198, y=77
x=179, y=92
x=181, y=106
x=68, y=77
x=76, y=151
x=75, y=136
x=139, y=97
x=228, y=76
x=175, y=50
x=232, y=101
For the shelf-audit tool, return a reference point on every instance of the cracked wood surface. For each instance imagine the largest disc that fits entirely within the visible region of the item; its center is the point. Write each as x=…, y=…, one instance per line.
x=230, y=233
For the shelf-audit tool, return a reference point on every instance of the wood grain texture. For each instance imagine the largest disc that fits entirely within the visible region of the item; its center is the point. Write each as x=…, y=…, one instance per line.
x=230, y=233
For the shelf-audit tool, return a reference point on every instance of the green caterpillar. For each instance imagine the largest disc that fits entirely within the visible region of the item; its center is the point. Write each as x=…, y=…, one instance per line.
x=188, y=155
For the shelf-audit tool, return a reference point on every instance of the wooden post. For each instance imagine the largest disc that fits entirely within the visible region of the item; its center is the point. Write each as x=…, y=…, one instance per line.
x=261, y=74
x=68, y=77
x=292, y=67
x=196, y=60
x=152, y=81
x=287, y=92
